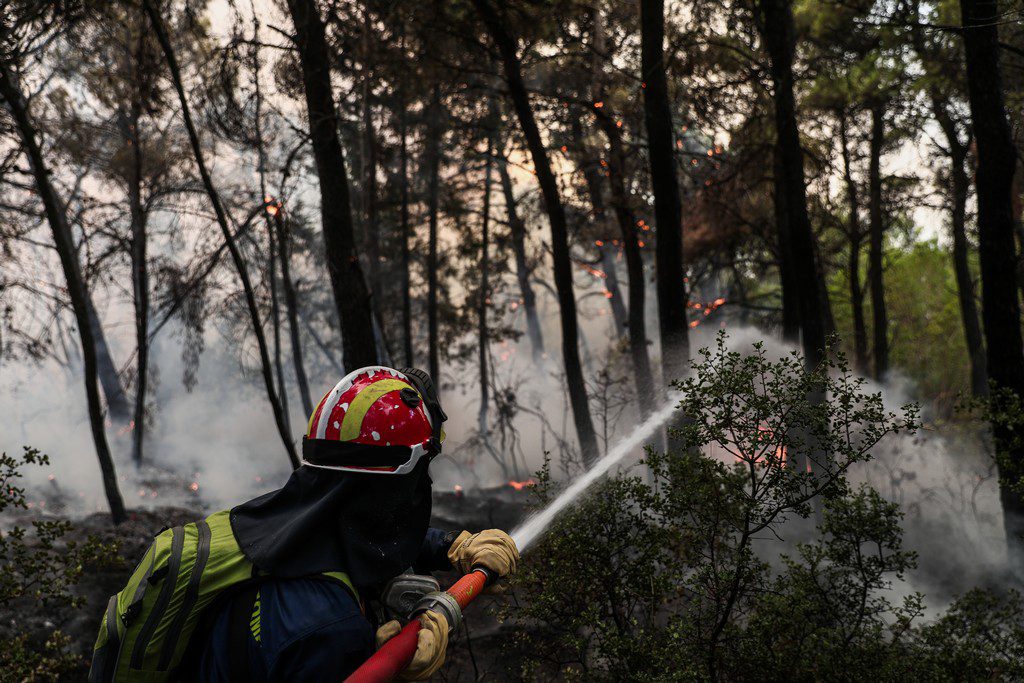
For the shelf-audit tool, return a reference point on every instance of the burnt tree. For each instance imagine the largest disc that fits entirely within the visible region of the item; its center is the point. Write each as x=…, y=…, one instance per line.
x=508, y=48
x=668, y=209
x=1000, y=307
x=54, y=209
x=351, y=295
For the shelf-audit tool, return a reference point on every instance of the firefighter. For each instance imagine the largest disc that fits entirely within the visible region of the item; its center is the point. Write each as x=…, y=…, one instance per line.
x=357, y=512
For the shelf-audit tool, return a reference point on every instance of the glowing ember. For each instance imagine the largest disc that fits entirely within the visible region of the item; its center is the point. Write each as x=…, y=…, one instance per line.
x=127, y=428
x=194, y=486
x=520, y=485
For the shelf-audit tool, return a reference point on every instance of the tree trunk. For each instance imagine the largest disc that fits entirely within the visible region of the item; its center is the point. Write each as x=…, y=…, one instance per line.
x=140, y=281
x=592, y=177
x=275, y=311
x=518, y=233
x=787, y=275
x=668, y=209
x=779, y=39
x=222, y=220
x=434, y=133
x=1000, y=306
x=403, y=155
x=559, y=230
x=351, y=295
x=855, y=234
x=110, y=379
x=369, y=158
x=291, y=305
x=54, y=208
x=879, y=318
x=960, y=183
x=637, y=325
x=485, y=266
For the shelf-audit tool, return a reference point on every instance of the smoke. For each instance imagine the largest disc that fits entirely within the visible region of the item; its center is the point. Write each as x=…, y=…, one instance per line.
x=217, y=445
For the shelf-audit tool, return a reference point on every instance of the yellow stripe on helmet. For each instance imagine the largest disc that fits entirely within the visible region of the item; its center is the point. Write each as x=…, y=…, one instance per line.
x=352, y=423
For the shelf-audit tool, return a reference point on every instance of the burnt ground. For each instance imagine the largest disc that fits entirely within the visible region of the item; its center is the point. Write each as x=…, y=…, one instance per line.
x=475, y=652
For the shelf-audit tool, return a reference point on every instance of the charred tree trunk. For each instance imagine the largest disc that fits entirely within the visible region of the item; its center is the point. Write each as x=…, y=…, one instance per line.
x=351, y=295
x=787, y=275
x=110, y=379
x=222, y=220
x=960, y=183
x=855, y=234
x=779, y=38
x=140, y=282
x=559, y=230
x=369, y=158
x=592, y=177
x=291, y=305
x=435, y=131
x=403, y=180
x=668, y=209
x=879, y=317
x=54, y=209
x=275, y=311
x=485, y=267
x=1000, y=306
x=517, y=229
x=634, y=265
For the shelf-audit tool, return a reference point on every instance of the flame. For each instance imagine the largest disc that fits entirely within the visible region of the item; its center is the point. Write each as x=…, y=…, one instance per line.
x=520, y=485
x=458, y=488
x=598, y=105
x=194, y=486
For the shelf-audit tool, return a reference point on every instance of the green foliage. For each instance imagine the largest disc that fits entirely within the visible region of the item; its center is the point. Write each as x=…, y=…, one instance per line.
x=685, y=575
x=921, y=300
x=39, y=567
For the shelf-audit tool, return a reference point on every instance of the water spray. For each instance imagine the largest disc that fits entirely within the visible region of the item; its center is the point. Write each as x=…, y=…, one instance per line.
x=530, y=530
x=394, y=656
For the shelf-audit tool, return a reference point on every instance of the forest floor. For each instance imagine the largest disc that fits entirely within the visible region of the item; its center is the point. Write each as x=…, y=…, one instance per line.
x=475, y=652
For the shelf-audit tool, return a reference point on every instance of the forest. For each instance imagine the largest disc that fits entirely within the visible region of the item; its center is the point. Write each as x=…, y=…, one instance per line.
x=726, y=294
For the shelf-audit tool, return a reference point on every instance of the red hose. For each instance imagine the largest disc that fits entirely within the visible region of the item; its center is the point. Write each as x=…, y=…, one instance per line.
x=392, y=658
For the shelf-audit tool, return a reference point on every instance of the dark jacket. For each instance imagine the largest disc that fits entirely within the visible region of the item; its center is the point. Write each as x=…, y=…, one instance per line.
x=299, y=629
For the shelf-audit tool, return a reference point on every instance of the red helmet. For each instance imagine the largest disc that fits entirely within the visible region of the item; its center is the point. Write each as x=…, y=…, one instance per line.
x=377, y=420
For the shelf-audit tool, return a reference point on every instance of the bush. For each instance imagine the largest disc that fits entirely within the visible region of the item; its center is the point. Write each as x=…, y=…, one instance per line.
x=686, y=576
x=38, y=567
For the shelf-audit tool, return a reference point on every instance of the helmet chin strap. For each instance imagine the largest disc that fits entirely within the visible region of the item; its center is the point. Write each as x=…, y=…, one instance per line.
x=425, y=386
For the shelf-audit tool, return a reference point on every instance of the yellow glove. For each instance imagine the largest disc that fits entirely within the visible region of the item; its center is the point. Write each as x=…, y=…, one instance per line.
x=431, y=643
x=492, y=549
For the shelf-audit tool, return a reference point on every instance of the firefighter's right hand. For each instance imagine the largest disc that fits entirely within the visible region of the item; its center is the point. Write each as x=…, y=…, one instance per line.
x=431, y=643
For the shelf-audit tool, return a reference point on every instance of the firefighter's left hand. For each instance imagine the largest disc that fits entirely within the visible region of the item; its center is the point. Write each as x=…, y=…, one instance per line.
x=431, y=643
x=492, y=549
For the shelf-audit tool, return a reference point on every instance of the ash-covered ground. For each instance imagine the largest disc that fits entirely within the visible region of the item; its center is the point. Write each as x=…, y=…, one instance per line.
x=475, y=652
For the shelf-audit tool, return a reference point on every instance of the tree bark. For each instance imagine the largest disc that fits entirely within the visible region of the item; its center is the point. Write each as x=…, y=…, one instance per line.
x=54, y=209
x=637, y=325
x=668, y=210
x=879, y=317
x=787, y=274
x=222, y=220
x=855, y=234
x=434, y=133
x=351, y=294
x=559, y=230
x=1000, y=306
x=291, y=305
x=960, y=183
x=517, y=229
x=592, y=178
x=403, y=155
x=779, y=38
x=485, y=266
x=110, y=379
x=140, y=281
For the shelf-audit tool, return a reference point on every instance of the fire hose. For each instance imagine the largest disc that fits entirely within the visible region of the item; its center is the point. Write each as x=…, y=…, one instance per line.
x=394, y=656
